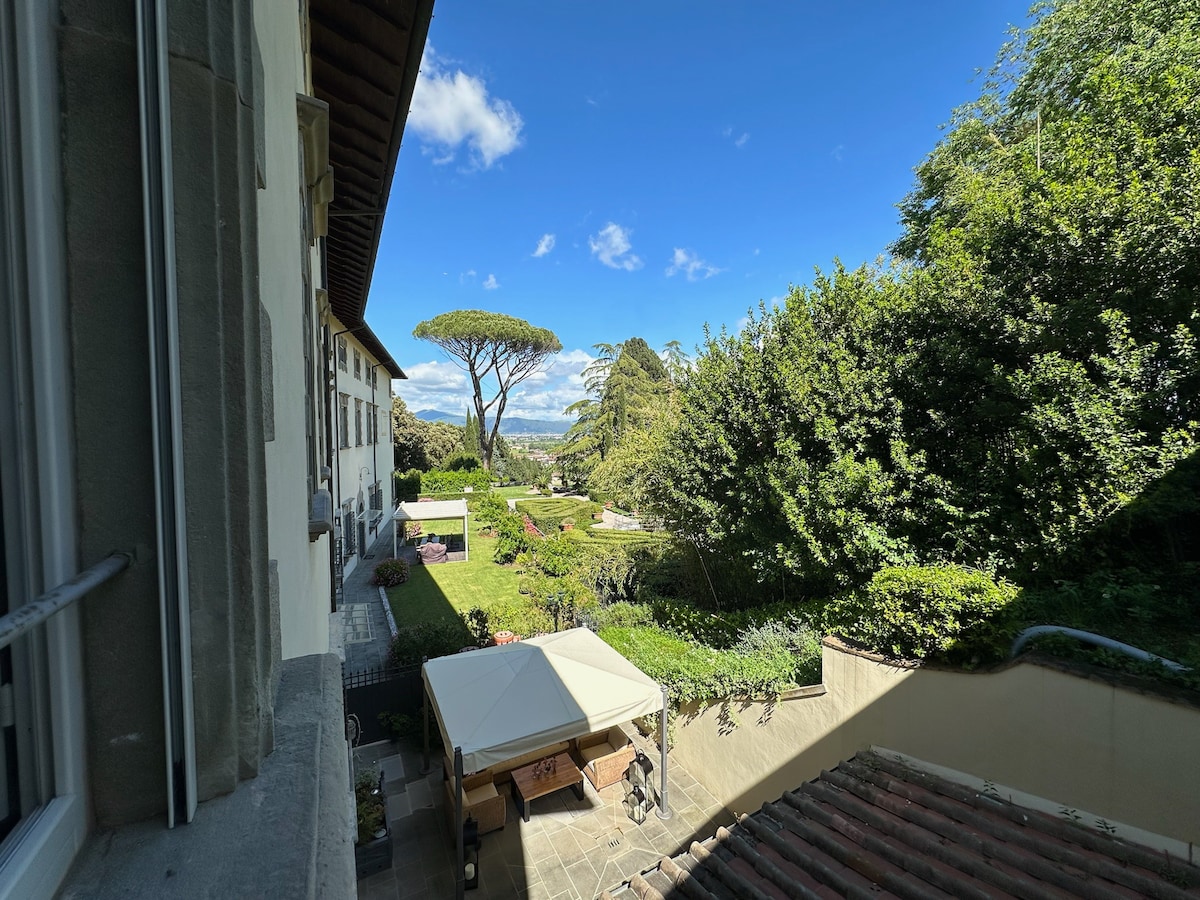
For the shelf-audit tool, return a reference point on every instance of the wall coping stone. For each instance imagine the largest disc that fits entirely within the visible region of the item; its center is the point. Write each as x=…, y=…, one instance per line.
x=285, y=833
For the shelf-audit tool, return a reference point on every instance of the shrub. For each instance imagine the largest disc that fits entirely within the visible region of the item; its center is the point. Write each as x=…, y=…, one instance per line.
x=786, y=635
x=413, y=643
x=701, y=673
x=390, y=573
x=914, y=612
x=555, y=555
x=462, y=462
x=519, y=617
x=369, y=805
x=477, y=623
x=438, y=481
x=488, y=507
x=622, y=615
x=511, y=538
x=547, y=515
x=408, y=485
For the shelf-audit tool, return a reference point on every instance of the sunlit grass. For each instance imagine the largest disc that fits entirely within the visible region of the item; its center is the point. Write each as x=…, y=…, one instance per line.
x=441, y=592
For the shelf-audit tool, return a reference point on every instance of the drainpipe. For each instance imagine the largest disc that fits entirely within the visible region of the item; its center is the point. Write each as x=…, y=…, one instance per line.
x=158, y=217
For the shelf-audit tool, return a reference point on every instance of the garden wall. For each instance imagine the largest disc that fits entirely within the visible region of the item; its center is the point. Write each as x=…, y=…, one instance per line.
x=1081, y=742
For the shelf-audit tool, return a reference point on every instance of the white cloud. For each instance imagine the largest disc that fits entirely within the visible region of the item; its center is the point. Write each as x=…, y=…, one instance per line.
x=435, y=376
x=490, y=284
x=444, y=386
x=450, y=109
x=836, y=152
x=545, y=245
x=464, y=277
x=612, y=247
x=691, y=265
x=740, y=141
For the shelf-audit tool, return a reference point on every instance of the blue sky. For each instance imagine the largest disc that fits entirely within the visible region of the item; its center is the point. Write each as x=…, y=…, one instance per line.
x=642, y=169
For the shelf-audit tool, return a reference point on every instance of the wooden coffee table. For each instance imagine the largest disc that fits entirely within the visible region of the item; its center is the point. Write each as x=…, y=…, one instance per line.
x=527, y=787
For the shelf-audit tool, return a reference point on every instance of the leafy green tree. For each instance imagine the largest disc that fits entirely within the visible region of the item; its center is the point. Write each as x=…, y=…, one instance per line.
x=676, y=360
x=471, y=435
x=625, y=383
x=422, y=445
x=1057, y=253
x=788, y=457
x=492, y=346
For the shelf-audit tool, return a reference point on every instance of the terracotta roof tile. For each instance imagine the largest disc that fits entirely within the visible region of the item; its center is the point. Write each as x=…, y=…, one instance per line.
x=874, y=827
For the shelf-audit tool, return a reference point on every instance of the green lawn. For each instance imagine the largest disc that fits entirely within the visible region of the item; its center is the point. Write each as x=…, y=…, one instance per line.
x=438, y=593
x=442, y=527
x=516, y=492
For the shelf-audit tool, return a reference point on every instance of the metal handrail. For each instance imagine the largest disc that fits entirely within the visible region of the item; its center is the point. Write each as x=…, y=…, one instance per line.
x=32, y=614
x=1098, y=639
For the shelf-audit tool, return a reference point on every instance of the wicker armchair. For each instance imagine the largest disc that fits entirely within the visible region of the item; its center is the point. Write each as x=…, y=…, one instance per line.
x=605, y=756
x=481, y=802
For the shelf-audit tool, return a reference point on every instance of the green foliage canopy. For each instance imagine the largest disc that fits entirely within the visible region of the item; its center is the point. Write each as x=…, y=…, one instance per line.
x=490, y=345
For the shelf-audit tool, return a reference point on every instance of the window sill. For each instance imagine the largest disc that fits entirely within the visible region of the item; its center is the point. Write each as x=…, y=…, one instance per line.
x=303, y=784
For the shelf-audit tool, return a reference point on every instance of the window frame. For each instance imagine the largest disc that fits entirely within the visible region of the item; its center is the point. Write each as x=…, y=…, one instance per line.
x=358, y=422
x=37, y=448
x=341, y=352
x=343, y=421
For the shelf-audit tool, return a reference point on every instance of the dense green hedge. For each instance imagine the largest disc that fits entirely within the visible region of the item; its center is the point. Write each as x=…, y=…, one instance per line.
x=701, y=673
x=438, y=482
x=547, y=515
x=949, y=612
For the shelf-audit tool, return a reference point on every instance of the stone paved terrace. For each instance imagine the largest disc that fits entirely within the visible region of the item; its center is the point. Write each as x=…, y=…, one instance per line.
x=569, y=849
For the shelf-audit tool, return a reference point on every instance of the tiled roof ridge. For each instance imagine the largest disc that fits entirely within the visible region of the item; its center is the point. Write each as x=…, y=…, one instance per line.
x=878, y=827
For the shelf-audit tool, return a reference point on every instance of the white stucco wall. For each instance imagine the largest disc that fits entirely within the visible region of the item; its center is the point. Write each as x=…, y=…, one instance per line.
x=1081, y=742
x=359, y=467
x=303, y=566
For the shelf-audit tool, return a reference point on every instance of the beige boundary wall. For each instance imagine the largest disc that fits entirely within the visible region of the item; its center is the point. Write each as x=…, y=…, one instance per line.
x=1115, y=753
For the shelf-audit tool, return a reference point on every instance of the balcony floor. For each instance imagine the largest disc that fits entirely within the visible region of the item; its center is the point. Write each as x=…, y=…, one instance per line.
x=568, y=850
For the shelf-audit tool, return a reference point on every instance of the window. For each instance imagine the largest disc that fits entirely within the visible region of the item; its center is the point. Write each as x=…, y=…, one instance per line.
x=358, y=423
x=376, y=496
x=43, y=811
x=358, y=365
x=341, y=352
x=370, y=423
x=343, y=420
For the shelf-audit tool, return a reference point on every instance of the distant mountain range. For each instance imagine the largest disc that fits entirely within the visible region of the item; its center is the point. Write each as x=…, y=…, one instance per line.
x=508, y=425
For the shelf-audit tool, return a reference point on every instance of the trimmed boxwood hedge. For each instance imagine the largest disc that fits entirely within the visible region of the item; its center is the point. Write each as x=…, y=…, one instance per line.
x=947, y=612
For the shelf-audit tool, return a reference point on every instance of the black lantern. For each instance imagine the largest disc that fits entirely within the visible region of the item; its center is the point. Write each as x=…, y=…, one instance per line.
x=471, y=845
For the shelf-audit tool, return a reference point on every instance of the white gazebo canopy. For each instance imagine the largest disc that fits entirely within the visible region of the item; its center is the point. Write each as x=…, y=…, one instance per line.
x=501, y=702
x=431, y=509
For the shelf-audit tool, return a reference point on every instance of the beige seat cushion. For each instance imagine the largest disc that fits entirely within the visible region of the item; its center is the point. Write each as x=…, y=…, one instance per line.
x=479, y=794
x=597, y=750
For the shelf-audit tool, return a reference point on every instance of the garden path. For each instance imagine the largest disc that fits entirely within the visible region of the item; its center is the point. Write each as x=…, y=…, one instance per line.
x=365, y=609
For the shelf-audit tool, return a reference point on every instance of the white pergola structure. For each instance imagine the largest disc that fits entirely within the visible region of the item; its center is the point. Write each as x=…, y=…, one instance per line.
x=434, y=509
x=495, y=704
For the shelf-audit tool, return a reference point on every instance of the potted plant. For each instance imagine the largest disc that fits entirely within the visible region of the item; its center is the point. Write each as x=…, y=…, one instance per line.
x=373, y=843
x=568, y=523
